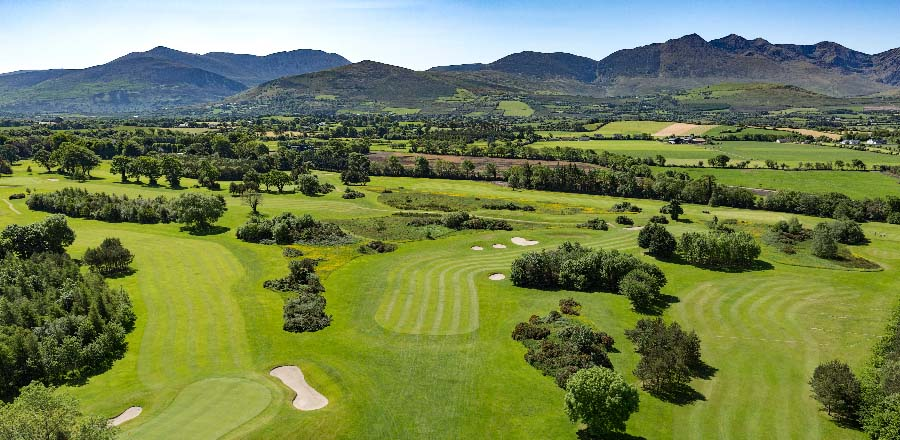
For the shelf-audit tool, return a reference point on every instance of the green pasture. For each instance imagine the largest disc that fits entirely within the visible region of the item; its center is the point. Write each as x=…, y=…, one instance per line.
x=420, y=345
x=855, y=184
x=515, y=109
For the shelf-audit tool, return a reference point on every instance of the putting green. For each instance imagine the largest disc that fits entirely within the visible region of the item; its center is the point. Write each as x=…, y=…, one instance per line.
x=207, y=409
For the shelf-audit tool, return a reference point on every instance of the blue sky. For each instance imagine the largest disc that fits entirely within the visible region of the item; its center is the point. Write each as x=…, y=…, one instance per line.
x=40, y=34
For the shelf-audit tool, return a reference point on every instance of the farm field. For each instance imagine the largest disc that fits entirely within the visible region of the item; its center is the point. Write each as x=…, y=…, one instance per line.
x=420, y=345
x=515, y=109
x=857, y=185
x=755, y=152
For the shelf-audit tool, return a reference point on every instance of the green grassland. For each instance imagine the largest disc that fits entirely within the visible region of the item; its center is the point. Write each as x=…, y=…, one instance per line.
x=515, y=109
x=855, y=184
x=755, y=152
x=631, y=127
x=420, y=345
x=402, y=111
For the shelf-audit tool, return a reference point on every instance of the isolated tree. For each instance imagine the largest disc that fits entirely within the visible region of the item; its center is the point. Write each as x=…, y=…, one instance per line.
x=253, y=200
x=198, y=211
x=251, y=180
x=120, y=165
x=75, y=159
x=669, y=355
x=838, y=390
x=422, y=168
x=109, y=258
x=641, y=288
x=468, y=168
x=357, y=170
x=490, y=171
x=207, y=174
x=40, y=412
x=148, y=166
x=720, y=161
x=601, y=399
x=824, y=244
x=657, y=240
x=277, y=179
x=42, y=158
x=673, y=209
x=172, y=169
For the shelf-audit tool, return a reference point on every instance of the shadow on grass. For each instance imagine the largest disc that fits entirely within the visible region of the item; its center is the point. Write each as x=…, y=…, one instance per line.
x=705, y=371
x=209, y=230
x=680, y=394
x=585, y=435
x=757, y=266
x=847, y=424
x=660, y=305
x=120, y=274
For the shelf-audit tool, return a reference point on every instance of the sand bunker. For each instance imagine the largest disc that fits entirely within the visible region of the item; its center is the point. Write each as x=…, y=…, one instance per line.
x=523, y=242
x=53, y=180
x=126, y=415
x=634, y=228
x=307, y=398
x=499, y=246
x=497, y=277
x=477, y=248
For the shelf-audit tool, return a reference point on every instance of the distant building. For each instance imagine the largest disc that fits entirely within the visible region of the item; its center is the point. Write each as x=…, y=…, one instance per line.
x=876, y=142
x=782, y=141
x=686, y=140
x=850, y=142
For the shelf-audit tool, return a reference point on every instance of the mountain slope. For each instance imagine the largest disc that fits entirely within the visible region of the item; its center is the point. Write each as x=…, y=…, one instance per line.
x=536, y=64
x=133, y=84
x=152, y=80
x=366, y=80
x=250, y=70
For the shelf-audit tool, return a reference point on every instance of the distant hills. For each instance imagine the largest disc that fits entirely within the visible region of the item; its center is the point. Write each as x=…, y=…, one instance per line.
x=309, y=80
x=691, y=61
x=157, y=79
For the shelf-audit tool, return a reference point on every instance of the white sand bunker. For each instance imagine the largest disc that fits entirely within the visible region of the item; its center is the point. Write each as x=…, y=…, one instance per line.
x=126, y=415
x=307, y=398
x=477, y=248
x=497, y=277
x=523, y=242
x=53, y=180
x=499, y=246
x=634, y=228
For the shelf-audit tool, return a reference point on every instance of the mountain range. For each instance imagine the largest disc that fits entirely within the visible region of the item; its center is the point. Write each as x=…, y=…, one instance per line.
x=156, y=79
x=163, y=78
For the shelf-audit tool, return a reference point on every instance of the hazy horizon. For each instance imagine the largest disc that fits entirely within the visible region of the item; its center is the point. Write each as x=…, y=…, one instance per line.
x=48, y=34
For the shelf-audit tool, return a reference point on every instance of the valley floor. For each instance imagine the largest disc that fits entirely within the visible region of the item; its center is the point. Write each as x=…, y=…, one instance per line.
x=420, y=344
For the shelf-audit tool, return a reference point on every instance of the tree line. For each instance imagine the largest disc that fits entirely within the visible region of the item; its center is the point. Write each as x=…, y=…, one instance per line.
x=57, y=324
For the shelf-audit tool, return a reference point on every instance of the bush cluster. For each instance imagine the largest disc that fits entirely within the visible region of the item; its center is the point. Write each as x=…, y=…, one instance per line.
x=17, y=196
x=350, y=194
x=670, y=356
x=597, y=224
x=719, y=249
x=559, y=347
x=624, y=220
x=306, y=312
x=625, y=207
x=574, y=267
x=657, y=240
x=286, y=228
x=192, y=209
x=463, y=220
x=57, y=324
x=377, y=247
x=509, y=206
x=109, y=258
